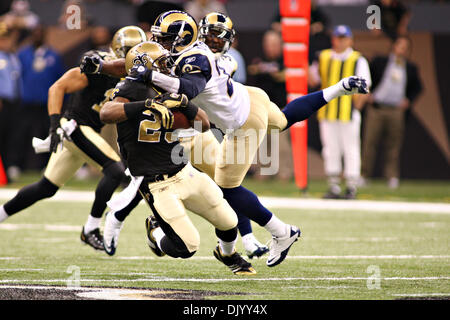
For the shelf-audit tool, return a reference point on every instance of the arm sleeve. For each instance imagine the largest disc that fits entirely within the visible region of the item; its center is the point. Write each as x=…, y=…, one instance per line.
x=363, y=70
x=192, y=84
x=166, y=82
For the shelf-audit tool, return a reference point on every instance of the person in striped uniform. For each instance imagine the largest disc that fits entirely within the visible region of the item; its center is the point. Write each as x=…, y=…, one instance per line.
x=340, y=119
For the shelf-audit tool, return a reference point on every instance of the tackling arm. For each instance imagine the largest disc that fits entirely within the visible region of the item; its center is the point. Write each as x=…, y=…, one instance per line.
x=115, y=68
x=114, y=111
x=201, y=116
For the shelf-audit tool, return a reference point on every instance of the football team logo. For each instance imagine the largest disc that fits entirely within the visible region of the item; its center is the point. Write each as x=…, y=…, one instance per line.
x=141, y=58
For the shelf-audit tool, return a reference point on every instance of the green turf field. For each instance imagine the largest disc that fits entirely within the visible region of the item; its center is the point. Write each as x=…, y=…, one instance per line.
x=342, y=255
x=409, y=190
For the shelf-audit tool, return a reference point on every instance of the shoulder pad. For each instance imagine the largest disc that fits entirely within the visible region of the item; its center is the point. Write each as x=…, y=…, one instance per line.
x=195, y=61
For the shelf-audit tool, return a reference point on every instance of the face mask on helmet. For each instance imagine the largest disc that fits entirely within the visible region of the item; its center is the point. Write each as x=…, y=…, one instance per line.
x=216, y=38
x=149, y=54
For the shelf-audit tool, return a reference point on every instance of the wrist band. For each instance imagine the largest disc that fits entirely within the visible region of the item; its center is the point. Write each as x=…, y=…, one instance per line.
x=54, y=121
x=132, y=109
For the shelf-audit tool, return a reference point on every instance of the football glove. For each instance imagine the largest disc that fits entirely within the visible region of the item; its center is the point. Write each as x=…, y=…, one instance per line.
x=354, y=85
x=55, y=138
x=91, y=65
x=140, y=73
x=172, y=100
x=165, y=114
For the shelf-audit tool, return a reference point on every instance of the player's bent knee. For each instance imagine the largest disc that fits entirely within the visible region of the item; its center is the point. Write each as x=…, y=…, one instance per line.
x=115, y=170
x=46, y=188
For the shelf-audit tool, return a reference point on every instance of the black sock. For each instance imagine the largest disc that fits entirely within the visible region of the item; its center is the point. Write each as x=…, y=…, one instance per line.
x=122, y=214
x=113, y=175
x=30, y=194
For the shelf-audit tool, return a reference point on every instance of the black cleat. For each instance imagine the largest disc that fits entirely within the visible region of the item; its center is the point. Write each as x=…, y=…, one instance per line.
x=332, y=195
x=350, y=193
x=151, y=224
x=235, y=262
x=93, y=238
x=260, y=251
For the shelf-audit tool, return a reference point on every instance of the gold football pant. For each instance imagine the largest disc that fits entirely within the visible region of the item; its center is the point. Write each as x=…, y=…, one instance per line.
x=94, y=150
x=228, y=162
x=192, y=190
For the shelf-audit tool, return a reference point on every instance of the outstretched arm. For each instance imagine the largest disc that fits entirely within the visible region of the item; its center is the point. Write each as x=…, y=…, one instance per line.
x=94, y=65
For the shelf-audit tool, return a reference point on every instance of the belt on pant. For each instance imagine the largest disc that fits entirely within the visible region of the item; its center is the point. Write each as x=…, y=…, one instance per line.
x=382, y=106
x=161, y=177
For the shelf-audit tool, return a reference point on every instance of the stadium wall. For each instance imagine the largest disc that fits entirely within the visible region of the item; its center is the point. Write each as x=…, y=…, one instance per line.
x=426, y=151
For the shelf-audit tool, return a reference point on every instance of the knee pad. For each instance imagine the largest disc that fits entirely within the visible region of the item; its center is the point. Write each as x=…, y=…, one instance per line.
x=116, y=170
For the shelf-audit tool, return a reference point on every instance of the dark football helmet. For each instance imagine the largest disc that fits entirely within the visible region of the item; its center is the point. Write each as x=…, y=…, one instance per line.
x=216, y=30
x=175, y=30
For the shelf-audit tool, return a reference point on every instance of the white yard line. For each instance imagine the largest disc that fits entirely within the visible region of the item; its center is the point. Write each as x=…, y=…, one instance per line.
x=216, y=280
x=316, y=257
x=20, y=269
x=288, y=203
x=421, y=294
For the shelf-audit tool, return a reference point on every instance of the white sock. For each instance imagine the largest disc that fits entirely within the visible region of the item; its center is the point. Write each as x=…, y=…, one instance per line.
x=116, y=223
x=3, y=214
x=91, y=224
x=276, y=227
x=249, y=242
x=158, y=234
x=227, y=248
x=333, y=92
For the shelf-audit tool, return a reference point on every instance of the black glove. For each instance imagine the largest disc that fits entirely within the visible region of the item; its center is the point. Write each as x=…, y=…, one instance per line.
x=172, y=100
x=91, y=64
x=140, y=73
x=55, y=138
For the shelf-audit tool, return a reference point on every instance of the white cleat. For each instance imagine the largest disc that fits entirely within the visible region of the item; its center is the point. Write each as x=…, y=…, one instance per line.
x=111, y=233
x=352, y=85
x=280, y=246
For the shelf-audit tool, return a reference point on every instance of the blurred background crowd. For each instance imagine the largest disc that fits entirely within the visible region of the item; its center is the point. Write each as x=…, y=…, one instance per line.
x=37, y=47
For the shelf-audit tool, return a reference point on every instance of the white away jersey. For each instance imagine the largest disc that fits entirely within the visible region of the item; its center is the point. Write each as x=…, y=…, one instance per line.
x=225, y=101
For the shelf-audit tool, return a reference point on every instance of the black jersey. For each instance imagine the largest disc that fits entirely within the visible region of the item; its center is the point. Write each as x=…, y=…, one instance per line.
x=84, y=105
x=146, y=146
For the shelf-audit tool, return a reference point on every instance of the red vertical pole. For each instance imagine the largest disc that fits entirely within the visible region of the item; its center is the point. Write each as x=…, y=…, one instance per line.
x=3, y=178
x=295, y=21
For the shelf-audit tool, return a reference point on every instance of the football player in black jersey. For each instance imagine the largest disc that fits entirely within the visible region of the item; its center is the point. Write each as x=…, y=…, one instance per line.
x=89, y=93
x=169, y=186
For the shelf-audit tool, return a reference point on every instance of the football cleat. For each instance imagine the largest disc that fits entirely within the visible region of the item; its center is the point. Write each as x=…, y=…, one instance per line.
x=354, y=85
x=332, y=195
x=150, y=225
x=93, y=238
x=111, y=233
x=350, y=193
x=280, y=246
x=235, y=262
x=258, y=252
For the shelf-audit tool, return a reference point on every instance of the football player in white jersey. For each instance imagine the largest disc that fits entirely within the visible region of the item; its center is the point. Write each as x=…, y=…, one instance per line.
x=217, y=32
x=239, y=111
